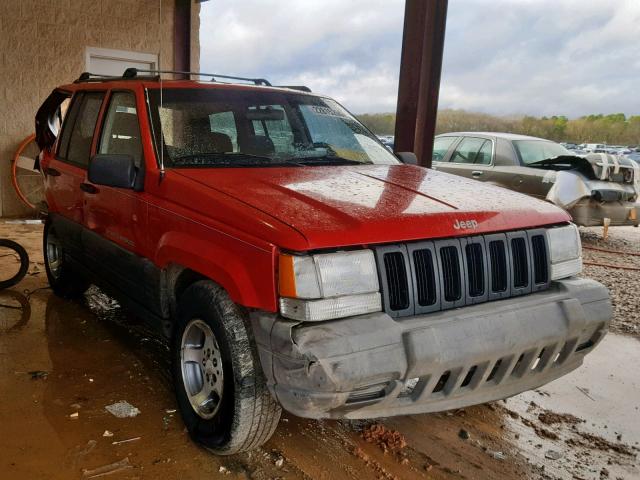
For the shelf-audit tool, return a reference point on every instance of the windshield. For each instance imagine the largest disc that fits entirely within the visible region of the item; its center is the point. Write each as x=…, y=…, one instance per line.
x=227, y=127
x=531, y=151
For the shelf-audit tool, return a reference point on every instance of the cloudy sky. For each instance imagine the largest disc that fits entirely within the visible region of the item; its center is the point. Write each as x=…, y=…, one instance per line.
x=540, y=57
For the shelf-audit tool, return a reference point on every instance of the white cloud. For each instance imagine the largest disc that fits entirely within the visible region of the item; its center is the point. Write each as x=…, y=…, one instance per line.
x=540, y=57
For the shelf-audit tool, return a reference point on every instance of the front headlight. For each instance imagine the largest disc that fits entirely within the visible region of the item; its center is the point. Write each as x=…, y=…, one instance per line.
x=565, y=250
x=328, y=285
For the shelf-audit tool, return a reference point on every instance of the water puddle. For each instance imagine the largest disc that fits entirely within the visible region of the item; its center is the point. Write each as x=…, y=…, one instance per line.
x=586, y=424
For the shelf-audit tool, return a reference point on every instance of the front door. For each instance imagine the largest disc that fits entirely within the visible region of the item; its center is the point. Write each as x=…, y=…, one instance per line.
x=115, y=218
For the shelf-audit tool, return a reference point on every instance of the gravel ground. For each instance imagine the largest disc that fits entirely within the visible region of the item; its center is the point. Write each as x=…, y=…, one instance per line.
x=623, y=284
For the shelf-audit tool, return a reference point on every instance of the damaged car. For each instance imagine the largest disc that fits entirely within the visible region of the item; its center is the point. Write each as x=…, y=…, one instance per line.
x=595, y=189
x=291, y=261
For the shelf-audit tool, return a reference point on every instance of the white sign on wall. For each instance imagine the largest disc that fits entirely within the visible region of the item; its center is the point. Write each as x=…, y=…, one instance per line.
x=104, y=61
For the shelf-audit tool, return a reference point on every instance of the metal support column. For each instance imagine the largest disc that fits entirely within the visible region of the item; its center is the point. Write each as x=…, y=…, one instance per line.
x=182, y=36
x=420, y=70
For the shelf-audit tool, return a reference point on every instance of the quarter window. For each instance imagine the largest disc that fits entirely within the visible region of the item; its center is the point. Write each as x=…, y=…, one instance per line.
x=121, y=132
x=78, y=147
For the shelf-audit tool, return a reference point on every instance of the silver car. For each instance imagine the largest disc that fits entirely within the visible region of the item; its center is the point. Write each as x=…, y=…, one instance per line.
x=592, y=188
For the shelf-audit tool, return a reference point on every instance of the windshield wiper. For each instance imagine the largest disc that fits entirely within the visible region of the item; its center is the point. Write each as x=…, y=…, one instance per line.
x=324, y=160
x=222, y=159
x=571, y=160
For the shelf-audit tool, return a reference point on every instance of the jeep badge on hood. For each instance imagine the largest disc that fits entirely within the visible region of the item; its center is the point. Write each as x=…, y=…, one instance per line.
x=465, y=224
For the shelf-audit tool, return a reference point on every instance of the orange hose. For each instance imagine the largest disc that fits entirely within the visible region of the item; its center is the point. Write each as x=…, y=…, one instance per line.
x=607, y=265
x=611, y=251
x=14, y=167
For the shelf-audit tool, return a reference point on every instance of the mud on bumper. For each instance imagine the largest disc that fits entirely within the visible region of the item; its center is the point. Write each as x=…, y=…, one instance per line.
x=373, y=366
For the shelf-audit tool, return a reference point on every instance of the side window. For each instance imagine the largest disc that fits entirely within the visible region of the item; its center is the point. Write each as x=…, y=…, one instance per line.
x=441, y=147
x=79, y=143
x=121, y=131
x=67, y=125
x=225, y=124
x=468, y=149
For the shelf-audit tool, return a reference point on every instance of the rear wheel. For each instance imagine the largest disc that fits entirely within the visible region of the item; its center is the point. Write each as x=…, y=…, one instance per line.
x=63, y=281
x=219, y=383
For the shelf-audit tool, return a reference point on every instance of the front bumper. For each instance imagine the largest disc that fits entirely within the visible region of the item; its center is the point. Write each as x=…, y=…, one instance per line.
x=374, y=366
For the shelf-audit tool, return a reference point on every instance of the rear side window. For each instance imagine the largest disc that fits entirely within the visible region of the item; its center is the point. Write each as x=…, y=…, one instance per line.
x=472, y=150
x=76, y=147
x=121, y=132
x=441, y=147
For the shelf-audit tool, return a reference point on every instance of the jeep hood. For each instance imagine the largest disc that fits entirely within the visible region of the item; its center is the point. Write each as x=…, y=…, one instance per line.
x=357, y=205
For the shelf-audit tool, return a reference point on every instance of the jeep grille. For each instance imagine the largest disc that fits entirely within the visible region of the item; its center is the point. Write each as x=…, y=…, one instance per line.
x=437, y=275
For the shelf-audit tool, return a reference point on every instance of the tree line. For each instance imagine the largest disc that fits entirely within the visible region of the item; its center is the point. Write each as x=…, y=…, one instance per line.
x=613, y=129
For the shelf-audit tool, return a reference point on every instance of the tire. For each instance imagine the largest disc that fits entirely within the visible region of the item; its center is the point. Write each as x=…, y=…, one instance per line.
x=239, y=413
x=24, y=263
x=63, y=281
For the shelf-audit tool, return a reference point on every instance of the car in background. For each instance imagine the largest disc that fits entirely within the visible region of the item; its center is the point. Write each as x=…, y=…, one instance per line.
x=635, y=156
x=624, y=151
x=591, y=188
x=594, y=148
x=387, y=141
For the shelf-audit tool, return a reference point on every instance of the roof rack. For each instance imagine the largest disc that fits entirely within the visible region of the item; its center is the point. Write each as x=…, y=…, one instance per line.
x=86, y=77
x=302, y=88
x=133, y=74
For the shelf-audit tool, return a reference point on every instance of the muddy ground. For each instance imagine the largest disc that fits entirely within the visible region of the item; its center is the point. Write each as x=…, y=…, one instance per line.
x=62, y=362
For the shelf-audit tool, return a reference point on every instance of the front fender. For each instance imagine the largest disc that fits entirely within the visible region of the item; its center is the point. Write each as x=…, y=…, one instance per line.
x=245, y=271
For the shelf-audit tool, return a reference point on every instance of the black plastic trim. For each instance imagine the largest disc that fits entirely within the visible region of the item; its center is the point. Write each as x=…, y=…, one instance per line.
x=479, y=240
x=526, y=289
x=454, y=242
x=380, y=252
x=412, y=248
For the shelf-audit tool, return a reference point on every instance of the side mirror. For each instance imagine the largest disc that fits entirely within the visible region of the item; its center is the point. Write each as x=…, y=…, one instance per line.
x=408, y=158
x=112, y=170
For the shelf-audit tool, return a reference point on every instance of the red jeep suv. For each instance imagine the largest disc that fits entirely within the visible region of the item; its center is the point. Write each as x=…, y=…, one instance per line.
x=294, y=262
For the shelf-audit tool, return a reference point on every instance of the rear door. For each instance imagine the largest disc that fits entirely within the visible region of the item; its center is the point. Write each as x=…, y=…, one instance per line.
x=65, y=173
x=472, y=158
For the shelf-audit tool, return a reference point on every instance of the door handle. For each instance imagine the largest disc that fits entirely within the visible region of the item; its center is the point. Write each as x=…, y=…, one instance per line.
x=476, y=173
x=88, y=188
x=52, y=172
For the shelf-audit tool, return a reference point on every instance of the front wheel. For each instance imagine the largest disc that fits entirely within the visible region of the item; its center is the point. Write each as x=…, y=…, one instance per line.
x=220, y=387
